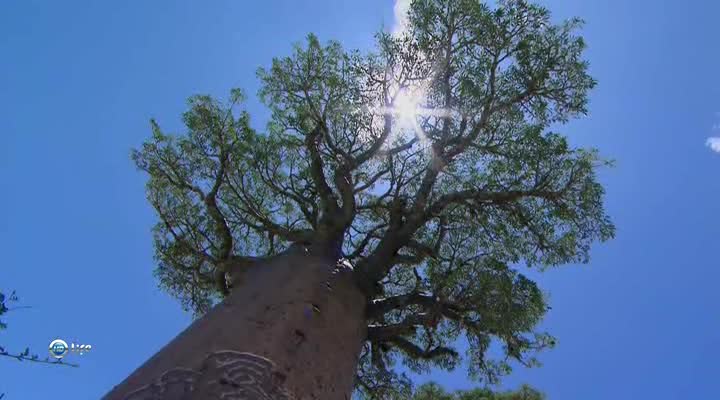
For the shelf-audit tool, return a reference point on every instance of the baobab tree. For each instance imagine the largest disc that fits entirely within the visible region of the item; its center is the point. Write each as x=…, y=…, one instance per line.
x=384, y=214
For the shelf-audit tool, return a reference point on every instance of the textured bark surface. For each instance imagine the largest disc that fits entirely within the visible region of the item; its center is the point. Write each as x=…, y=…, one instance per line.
x=292, y=329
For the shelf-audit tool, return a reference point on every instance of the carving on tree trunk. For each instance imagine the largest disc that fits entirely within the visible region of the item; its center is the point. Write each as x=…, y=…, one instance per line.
x=267, y=327
x=226, y=375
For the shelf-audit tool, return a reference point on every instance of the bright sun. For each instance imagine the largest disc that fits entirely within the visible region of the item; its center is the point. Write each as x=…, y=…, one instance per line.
x=406, y=106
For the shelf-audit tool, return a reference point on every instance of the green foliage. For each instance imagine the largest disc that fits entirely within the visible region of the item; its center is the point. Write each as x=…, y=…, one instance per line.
x=183, y=169
x=437, y=216
x=432, y=391
x=4, y=302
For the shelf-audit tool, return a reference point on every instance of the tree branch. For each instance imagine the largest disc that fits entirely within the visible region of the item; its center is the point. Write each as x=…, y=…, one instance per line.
x=327, y=197
x=415, y=351
x=481, y=196
x=33, y=358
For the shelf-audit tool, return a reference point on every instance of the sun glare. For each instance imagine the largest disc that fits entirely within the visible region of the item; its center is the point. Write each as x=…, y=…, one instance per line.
x=406, y=106
x=406, y=109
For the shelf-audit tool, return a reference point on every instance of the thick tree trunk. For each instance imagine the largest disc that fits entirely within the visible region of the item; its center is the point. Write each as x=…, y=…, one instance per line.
x=292, y=329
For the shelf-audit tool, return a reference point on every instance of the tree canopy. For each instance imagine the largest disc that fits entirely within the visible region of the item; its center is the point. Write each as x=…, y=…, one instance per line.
x=430, y=164
x=431, y=391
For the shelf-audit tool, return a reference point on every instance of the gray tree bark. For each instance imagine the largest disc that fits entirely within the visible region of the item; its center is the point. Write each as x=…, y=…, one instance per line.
x=292, y=329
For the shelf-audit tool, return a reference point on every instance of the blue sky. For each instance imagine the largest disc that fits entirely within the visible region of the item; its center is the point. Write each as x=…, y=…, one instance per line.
x=79, y=81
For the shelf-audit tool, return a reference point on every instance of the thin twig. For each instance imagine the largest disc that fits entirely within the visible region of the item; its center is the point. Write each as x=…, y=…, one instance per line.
x=17, y=308
x=20, y=357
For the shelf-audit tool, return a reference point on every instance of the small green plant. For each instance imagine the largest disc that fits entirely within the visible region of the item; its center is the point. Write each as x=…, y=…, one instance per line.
x=26, y=354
